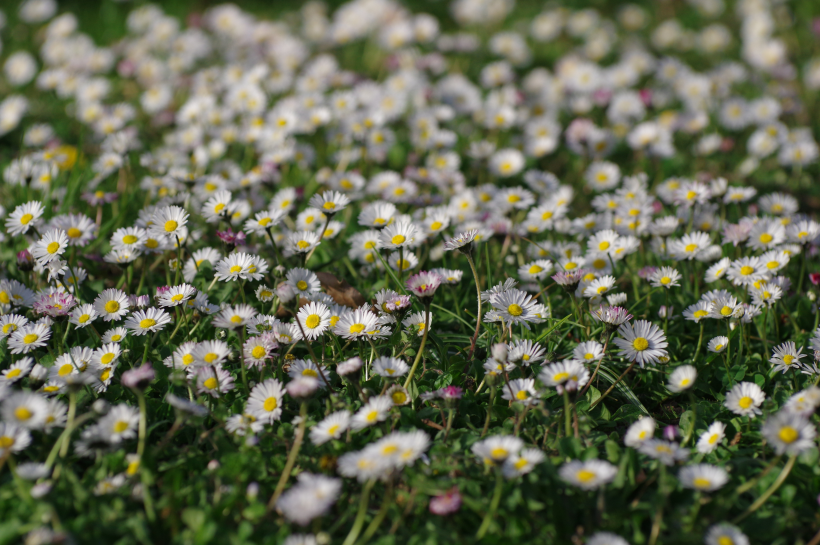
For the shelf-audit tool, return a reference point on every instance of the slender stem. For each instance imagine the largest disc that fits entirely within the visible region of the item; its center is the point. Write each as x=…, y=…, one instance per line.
x=421, y=347
x=478, y=314
x=485, y=524
x=291, y=461
x=772, y=489
x=700, y=341
x=376, y=522
x=594, y=373
x=628, y=369
x=802, y=270
x=72, y=410
x=567, y=414
x=489, y=411
x=361, y=514
x=142, y=423
x=750, y=483
x=728, y=341
x=242, y=356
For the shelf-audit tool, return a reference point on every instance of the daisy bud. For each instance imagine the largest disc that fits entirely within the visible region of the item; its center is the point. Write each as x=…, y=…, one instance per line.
x=500, y=352
x=139, y=378
x=670, y=432
x=286, y=293
x=252, y=491
x=100, y=407
x=447, y=503
x=814, y=277
x=25, y=261
x=302, y=388
x=213, y=465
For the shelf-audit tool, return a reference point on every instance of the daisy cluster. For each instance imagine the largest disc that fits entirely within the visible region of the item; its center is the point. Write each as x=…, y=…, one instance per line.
x=544, y=273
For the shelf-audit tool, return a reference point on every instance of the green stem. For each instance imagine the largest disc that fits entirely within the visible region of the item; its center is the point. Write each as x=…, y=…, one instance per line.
x=361, y=514
x=485, y=524
x=376, y=522
x=567, y=415
x=478, y=315
x=620, y=378
x=421, y=347
x=489, y=411
x=700, y=341
x=291, y=461
x=772, y=489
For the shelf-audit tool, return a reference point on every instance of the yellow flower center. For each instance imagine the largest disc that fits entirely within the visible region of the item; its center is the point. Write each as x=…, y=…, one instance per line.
x=30, y=338
x=746, y=270
x=120, y=426
x=398, y=239
x=112, y=306
x=702, y=482
x=788, y=434
x=310, y=373
x=26, y=218
x=766, y=238
x=689, y=248
x=640, y=344
x=515, y=310
x=53, y=248
x=270, y=404
x=65, y=369
x=170, y=226
x=499, y=453
x=6, y=441
x=585, y=475
x=210, y=357
x=258, y=352
x=666, y=280
x=535, y=269
x=603, y=246
x=210, y=383
x=521, y=395
x=745, y=402
x=312, y=321
x=398, y=397
x=13, y=373
x=726, y=310
x=22, y=413
x=357, y=328
x=148, y=322
x=435, y=226
x=129, y=239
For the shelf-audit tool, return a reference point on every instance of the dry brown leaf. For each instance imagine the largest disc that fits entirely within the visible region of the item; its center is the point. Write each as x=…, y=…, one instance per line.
x=342, y=292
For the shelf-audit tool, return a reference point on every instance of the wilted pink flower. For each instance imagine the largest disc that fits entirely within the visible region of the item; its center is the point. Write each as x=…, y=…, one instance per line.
x=231, y=238
x=424, y=284
x=302, y=387
x=25, y=261
x=55, y=304
x=140, y=377
x=815, y=278
x=569, y=280
x=450, y=392
x=349, y=366
x=447, y=503
x=646, y=272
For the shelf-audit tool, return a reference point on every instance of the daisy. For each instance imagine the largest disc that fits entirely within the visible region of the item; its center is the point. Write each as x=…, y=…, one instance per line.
x=496, y=449
x=399, y=262
x=747, y=270
x=13, y=438
x=703, y=477
x=767, y=294
x=400, y=234
x=330, y=202
x=176, y=295
x=24, y=217
x=522, y=463
x=377, y=215
x=567, y=374
x=331, y=427
x=119, y=424
x=83, y=315
x=698, y=311
x=424, y=284
x=766, y=234
x=789, y=433
x=666, y=451
x=9, y=323
x=26, y=410
x=725, y=534
x=211, y=353
x=418, y=322
x=50, y=247
x=643, y=342
x=398, y=395
x=314, y=319
x=115, y=335
x=129, y=238
x=515, y=306
x=168, y=221
x=521, y=390
x=711, y=438
x=718, y=344
x=640, y=431
x=213, y=381
x=356, y=324
x=233, y=317
x=150, y=321
x=29, y=337
x=111, y=304
x=589, y=474
x=535, y=270
x=745, y=399
x=665, y=277
x=599, y=287
x=240, y=266
x=374, y=411
x=265, y=401
x=17, y=371
x=682, y=378
x=724, y=306
x=308, y=369
x=528, y=352
x=461, y=242
x=786, y=356
x=301, y=242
